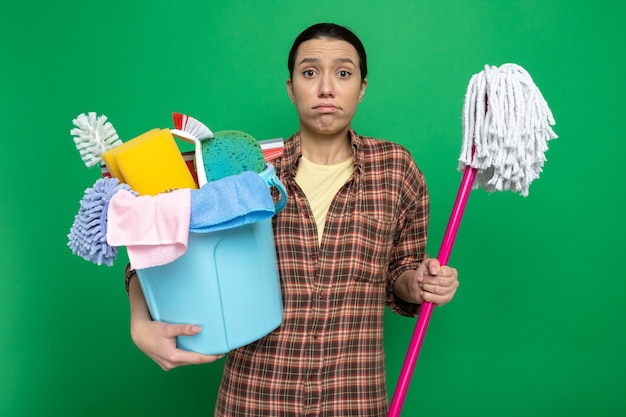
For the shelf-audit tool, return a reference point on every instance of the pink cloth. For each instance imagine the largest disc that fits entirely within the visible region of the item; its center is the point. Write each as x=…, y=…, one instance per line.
x=154, y=229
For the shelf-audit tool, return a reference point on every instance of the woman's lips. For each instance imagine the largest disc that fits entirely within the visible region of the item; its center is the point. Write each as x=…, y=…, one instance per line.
x=326, y=108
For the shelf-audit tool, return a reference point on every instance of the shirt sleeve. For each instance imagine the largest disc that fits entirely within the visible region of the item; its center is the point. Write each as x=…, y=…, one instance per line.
x=129, y=273
x=409, y=244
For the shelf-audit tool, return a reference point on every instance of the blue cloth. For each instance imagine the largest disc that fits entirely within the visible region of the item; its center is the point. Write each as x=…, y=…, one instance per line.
x=88, y=234
x=230, y=202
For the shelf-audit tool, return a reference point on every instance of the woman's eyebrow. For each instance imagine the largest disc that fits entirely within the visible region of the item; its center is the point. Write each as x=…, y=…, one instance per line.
x=312, y=60
x=308, y=61
x=344, y=60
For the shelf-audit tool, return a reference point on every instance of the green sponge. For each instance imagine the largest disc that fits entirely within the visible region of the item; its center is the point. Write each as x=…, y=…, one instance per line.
x=231, y=152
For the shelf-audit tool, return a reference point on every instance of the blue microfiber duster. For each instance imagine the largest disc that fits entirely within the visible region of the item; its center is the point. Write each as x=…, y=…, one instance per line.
x=88, y=235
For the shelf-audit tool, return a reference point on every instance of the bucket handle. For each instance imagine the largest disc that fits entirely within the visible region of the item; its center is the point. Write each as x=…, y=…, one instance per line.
x=273, y=180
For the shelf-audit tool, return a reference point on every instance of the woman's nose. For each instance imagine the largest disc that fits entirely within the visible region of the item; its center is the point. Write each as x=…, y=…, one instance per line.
x=326, y=88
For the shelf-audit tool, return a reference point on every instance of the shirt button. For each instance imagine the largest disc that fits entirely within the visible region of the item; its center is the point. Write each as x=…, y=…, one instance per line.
x=321, y=296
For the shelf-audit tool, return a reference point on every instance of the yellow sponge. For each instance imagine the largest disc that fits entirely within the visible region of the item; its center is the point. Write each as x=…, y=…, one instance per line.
x=150, y=163
x=108, y=157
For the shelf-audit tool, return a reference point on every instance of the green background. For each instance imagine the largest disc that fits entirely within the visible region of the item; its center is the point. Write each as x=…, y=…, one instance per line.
x=537, y=327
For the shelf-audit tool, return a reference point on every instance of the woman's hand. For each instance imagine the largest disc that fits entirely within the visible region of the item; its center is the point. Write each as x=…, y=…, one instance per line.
x=157, y=339
x=431, y=283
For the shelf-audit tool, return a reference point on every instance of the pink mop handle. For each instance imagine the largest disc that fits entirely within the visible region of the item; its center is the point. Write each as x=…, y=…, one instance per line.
x=427, y=308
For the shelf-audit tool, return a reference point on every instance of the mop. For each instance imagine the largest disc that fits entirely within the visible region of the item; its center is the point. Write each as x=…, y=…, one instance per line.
x=506, y=126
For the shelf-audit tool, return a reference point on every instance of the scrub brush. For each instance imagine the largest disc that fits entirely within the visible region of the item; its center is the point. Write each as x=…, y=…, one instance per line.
x=193, y=131
x=187, y=124
x=93, y=136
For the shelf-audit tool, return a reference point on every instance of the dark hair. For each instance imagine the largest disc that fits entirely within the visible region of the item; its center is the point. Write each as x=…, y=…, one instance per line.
x=331, y=31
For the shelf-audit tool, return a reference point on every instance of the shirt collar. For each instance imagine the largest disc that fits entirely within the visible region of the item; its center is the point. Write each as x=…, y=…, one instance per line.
x=293, y=152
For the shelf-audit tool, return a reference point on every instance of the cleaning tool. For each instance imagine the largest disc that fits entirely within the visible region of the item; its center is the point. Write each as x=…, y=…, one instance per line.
x=272, y=148
x=88, y=234
x=201, y=251
x=191, y=126
x=225, y=153
x=108, y=157
x=154, y=229
x=241, y=149
x=191, y=130
x=93, y=135
x=229, y=202
x=150, y=163
x=506, y=126
x=231, y=152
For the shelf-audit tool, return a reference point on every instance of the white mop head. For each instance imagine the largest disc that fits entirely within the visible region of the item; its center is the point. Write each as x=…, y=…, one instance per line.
x=93, y=136
x=506, y=122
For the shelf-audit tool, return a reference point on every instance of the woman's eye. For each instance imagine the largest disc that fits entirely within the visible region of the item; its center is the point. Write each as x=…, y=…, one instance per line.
x=308, y=73
x=344, y=74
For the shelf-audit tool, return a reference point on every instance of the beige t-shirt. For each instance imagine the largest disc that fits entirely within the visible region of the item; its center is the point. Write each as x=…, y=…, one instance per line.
x=320, y=184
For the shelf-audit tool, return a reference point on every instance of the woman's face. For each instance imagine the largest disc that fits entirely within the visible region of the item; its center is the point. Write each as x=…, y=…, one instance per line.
x=326, y=85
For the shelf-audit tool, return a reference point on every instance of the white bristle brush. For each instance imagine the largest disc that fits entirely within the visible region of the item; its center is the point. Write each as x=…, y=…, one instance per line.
x=93, y=135
x=193, y=131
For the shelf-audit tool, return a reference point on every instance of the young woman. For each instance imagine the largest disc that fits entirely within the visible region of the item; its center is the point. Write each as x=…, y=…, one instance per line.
x=350, y=242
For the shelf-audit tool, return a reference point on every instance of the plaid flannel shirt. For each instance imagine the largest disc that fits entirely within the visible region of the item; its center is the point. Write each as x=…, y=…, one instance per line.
x=327, y=358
